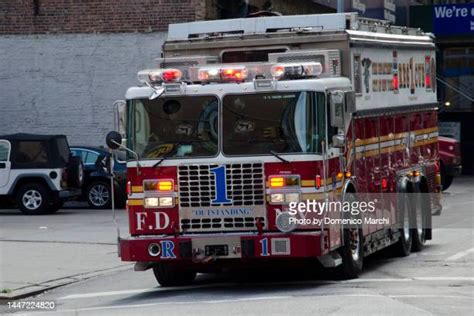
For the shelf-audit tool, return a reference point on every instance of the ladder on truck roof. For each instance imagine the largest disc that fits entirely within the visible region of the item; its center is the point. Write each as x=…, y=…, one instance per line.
x=314, y=23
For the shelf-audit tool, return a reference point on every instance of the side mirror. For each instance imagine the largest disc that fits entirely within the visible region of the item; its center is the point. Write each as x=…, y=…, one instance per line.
x=120, y=108
x=113, y=140
x=336, y=103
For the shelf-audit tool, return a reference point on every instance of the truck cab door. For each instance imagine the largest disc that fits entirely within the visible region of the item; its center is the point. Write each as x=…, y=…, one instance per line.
x=5, y=164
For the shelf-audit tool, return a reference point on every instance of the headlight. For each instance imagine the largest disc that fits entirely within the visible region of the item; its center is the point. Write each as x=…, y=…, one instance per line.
x=277, y=198
x=166, y=201
x=292, y=197
x=151, y=202
x=285, y=222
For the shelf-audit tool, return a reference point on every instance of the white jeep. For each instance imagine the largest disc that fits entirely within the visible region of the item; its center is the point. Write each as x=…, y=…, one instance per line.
x=38, y=172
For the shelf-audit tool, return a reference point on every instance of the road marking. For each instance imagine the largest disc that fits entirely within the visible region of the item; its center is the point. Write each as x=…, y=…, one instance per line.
x=255, y=298
x=191, y=287
x=430, y=296
x=139, y=291
x=459, y=255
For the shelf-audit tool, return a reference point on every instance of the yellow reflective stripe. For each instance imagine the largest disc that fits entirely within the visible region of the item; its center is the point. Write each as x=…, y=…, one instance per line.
x=135, y=202
x=137, y=189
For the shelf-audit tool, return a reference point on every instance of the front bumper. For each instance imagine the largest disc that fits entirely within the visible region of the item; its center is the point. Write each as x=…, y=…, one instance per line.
x=199, y=248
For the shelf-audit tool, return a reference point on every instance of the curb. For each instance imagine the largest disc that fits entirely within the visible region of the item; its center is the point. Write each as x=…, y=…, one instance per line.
x=39, y=288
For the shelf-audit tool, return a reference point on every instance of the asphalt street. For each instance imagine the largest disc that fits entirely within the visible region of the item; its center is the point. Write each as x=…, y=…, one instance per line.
x=437, y=281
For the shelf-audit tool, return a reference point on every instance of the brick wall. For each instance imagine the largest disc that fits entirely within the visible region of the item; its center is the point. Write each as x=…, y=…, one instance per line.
x=95, y=16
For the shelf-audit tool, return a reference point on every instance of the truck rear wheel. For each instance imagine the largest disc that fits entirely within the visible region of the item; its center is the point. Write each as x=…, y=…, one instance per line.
x=403, y=246
x=418, y=220
x=168, y=275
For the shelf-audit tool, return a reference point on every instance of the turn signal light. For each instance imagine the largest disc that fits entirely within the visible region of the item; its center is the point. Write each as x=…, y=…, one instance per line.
x=277, y=182
x=284, y=181
x=165, y=185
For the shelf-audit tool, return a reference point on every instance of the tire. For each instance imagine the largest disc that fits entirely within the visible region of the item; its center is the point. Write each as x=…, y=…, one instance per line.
x=167, y=275
x=98, y=195
x=33, y=199
x=352, y=254
x=418, y=223
x=75, y=172
x=402, y=247
x=446, y=182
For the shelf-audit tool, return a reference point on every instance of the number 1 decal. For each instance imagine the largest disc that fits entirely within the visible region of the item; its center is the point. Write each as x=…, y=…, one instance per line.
x=264, y=243
x=221, y=186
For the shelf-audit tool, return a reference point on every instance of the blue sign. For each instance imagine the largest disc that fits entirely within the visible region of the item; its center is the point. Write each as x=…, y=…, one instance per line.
x=453, y=19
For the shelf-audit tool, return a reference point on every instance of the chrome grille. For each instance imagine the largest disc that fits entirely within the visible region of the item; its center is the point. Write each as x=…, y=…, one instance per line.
x=226, y=223
x=244, y=181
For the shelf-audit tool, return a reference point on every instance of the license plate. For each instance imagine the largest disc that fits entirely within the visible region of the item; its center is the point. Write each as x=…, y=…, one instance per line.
x=217, y=250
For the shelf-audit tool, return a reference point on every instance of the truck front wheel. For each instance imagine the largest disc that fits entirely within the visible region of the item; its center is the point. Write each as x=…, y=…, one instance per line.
x=352, y=253
x=168, y=275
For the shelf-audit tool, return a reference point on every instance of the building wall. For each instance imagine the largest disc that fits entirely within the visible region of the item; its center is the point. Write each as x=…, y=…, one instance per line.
x=66, y=84
x=93, y=16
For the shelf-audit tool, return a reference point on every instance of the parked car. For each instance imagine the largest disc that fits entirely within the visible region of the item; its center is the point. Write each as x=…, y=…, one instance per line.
x=96, y=187
x=450, y=157
x=38, y=172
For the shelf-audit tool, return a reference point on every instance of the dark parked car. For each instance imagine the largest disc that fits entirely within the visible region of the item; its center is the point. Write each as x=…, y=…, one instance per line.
x=96, y=187
x=38, y=172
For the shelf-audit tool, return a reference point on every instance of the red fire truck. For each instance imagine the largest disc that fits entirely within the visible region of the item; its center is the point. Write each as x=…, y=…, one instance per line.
x=244, y=118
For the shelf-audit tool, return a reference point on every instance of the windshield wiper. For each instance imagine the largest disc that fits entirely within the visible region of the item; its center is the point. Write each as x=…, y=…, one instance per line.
x=168, y=155
x=278, y=156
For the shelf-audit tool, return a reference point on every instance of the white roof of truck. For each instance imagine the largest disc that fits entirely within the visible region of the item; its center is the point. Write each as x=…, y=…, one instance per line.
x=321, y=22
x=313, y=23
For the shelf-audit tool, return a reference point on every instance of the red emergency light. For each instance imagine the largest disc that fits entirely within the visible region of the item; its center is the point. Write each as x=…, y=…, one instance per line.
x=395, y=82
x=171, y=75
x=218, y=74
x=159, y=75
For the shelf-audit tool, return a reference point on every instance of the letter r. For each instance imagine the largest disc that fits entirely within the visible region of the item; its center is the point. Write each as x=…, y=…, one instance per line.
x=167, y=249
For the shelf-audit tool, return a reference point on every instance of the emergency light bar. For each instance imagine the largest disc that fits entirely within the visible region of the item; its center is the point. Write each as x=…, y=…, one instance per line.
x=296, y=70
x=217, y=74
x=234, y=73
x=159, y=75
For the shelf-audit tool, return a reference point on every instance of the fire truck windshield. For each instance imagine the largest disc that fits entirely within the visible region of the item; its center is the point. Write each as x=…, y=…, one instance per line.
x=180, y=126
x=279, y=122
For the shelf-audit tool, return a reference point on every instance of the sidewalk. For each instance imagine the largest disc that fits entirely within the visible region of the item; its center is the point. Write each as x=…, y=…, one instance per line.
x=38, y=253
